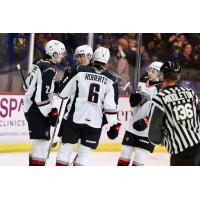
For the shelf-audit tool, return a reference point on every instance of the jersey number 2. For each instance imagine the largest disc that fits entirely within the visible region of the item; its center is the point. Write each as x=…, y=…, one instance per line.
x=93, y=92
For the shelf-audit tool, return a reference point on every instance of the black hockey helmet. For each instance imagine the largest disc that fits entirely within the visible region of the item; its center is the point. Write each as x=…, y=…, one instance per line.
x=171, y=70
x=170, y=67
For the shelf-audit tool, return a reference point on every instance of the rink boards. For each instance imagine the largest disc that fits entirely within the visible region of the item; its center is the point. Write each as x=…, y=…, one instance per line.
x=14, y=128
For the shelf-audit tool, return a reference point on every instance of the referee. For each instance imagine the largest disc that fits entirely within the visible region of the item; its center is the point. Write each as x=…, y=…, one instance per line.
x=174, y=119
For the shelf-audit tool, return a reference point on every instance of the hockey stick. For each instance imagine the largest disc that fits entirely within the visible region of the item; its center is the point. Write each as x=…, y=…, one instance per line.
x=72, y=162
x=22, y=76
x=52, y=145
x=124, y=88
x=138, y=62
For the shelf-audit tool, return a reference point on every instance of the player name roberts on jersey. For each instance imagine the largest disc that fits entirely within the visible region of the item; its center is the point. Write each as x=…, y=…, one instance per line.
x=96, y=77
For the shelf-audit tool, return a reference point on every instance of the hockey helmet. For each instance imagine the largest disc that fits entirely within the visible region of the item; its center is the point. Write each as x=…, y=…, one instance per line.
x=102, y=55
x=85, y=50
x=170, y=68
x=155, y=65
x=55, y=47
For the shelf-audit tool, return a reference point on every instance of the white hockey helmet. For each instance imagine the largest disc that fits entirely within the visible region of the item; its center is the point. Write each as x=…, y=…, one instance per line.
x=155, y=65
x=102, y=55
x=85, y=50
x=55, y=47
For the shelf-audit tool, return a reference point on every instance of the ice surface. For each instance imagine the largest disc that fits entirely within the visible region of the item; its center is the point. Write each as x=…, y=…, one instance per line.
x=96, y=159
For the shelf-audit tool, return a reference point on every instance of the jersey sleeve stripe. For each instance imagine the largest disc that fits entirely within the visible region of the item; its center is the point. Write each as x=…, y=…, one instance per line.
x=111, y=113
x=43, y=103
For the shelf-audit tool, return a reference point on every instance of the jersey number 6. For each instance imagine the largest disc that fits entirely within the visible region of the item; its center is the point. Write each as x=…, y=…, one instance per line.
x=93, y=92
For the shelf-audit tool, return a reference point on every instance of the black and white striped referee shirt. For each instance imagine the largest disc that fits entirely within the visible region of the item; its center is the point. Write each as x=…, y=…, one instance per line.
x=178, y=121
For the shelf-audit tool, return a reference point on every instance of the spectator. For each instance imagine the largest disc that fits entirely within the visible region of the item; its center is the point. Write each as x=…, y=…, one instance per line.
x=157, y=46
x=132, y=44
x=181, y=38
x=123, y=75
x=125, y=51
x=185, y=57
x=197, y=55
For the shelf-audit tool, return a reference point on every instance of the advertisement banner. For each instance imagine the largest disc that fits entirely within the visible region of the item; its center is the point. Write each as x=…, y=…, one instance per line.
x=13, y=125
x=14, y=128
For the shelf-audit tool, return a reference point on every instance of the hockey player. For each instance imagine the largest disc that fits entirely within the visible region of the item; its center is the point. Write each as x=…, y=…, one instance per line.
x=136, y=136
x=95, y=89
x=38, y=109
x=83, y=56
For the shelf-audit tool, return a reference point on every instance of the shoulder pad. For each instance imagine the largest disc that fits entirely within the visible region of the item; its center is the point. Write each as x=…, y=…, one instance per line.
x=44, y=64
x=110, y=76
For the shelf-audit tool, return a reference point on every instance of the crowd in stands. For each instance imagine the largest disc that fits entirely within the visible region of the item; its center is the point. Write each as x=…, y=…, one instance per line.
x=183, y=48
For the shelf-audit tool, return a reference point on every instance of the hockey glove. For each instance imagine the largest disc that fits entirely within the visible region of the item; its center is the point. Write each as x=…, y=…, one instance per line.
x=114, y=131
x=140, y=124
x=135, y=99
x=145, y=97
x=53, y=116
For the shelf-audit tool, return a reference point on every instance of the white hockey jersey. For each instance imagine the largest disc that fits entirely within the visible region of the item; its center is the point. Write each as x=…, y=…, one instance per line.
x=141, y=111
x=40, y=83
x=94, y=90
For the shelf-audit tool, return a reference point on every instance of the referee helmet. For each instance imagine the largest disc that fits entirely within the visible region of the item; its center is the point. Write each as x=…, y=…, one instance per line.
x=171, y=70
